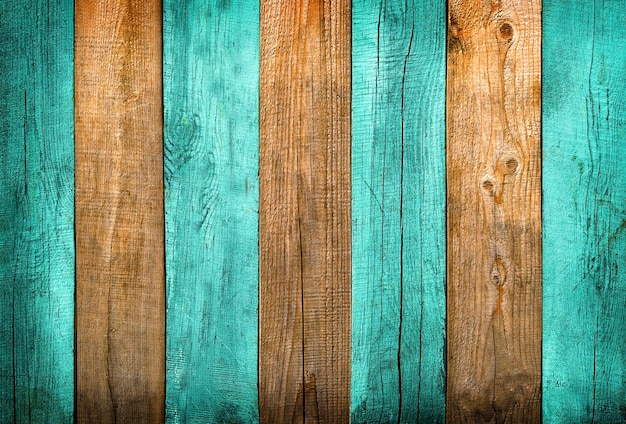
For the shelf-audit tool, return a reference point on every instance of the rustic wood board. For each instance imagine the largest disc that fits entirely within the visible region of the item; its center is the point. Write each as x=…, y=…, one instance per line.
x=304, y=358
x=398, y=211
x=211, y=91
x=494, y=211
x=584, y=219
x=120, y=293
x=36, y=212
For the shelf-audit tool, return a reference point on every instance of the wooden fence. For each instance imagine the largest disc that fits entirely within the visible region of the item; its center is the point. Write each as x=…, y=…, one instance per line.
x=220, y=211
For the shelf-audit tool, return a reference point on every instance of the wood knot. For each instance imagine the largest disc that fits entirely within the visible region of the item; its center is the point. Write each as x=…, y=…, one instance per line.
x=488, y=186
x=498, y=272
x=505, y=32
x=511, y=165
x=455, y=43
x=507, y=165
x=492, y=187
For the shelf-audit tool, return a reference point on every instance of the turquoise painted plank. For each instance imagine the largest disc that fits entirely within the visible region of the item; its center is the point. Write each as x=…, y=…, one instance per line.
x=36, y=212
x=584, y=212
x=211, y=79
x=398, y=211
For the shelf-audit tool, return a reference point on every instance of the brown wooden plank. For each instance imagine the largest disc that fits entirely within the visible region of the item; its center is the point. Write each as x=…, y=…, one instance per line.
x=494, y=211
x=120, y=314
x=304, y=362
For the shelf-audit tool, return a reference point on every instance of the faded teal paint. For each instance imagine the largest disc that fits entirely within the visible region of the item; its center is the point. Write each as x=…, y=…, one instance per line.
x=584, y=212
x=398, y=211
x=36, y=212
x=211, y=80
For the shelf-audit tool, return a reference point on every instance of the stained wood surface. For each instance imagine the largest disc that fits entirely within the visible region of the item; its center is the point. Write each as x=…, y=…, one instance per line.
x=120, y=311
x=304, y=357
x=494, y=211
x=398, y=211
x=211, y=91
x=584, y=127
x=36, y=212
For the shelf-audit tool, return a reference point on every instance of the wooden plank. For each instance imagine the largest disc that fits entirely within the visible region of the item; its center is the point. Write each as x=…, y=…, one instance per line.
x=120, y=305
x=398, y=211
x=304, y=361
x=584, y=227
x=36, y=212
x=211, y=91
x=494, y=211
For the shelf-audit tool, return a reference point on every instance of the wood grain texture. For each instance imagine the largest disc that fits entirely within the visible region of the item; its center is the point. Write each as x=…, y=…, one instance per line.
x=494, y=211
x=398, y=211
x=584, y=226
x=211, y=108
x=304, y=362
x=36, y=212
x=120, y=310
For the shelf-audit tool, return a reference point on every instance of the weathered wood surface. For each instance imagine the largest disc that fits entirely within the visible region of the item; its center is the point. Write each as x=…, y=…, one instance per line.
x=36, y=212
x=120, y=293
x=398, y=211
x=304, y=361
x=584, y=127
x=494, y=211
x=211, y=91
